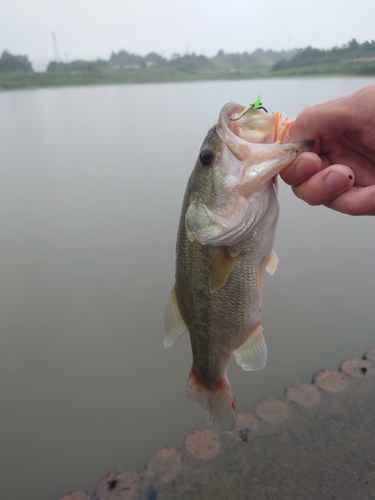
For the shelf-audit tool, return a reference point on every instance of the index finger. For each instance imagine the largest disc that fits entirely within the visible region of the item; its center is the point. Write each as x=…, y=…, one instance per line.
x=351, y=112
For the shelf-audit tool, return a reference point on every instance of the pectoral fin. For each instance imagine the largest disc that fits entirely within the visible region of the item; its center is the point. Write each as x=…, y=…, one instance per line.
x=252, y=355
x=174, y=325
x=272, y=262
x=222, y=267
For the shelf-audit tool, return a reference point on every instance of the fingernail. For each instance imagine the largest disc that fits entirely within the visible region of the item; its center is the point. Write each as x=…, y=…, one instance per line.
x=306, y=168
x=336, y=181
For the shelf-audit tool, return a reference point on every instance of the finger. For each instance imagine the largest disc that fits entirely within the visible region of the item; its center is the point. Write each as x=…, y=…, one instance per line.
x=319, y=120
x=350, y=112
x=359, y=158
x=323, y=187
x=356, y=201
x=303, y=167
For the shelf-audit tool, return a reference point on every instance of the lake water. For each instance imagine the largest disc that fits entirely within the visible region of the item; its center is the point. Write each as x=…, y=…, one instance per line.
x=92, y=181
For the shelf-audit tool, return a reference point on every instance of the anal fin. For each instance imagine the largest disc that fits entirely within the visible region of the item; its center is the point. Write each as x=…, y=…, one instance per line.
x=252, y=355
x=174, y=325
x=222, y=267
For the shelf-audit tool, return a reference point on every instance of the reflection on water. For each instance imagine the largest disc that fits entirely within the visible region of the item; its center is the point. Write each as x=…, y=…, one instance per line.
x=92, y=181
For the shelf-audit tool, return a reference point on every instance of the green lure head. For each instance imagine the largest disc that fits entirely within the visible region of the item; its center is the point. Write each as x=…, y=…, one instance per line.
x=256, y=105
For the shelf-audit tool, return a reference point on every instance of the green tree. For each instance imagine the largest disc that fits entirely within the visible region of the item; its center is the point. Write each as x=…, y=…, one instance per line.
x=123, y=59
x=8, y=62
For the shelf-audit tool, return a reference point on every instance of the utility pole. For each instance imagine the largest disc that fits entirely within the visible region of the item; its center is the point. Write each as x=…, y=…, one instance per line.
x=57, y=57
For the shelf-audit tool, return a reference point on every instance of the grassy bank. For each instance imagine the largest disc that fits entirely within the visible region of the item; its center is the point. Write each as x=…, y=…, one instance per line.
x=106, y=77
x=331, y=69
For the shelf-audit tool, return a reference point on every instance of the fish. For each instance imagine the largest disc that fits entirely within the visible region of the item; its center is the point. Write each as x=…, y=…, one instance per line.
x=224, y=244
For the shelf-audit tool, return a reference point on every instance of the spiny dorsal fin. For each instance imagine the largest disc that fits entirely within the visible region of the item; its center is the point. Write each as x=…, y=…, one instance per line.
x=174, y=325
x=252, y=355
x=272, y=262
x=222, y=267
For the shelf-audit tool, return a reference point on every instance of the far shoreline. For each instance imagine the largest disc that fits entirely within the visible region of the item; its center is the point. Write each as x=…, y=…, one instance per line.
x=44, y=80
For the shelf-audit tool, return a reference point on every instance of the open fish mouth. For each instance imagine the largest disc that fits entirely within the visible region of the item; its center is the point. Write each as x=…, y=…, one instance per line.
x=255, y=138
x=255, y=127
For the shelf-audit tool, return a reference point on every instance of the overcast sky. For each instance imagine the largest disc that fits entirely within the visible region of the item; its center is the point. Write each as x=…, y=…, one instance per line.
x=88, y=29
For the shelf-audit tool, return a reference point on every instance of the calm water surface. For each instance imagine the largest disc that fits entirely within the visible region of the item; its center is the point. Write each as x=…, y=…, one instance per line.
x=92, y=181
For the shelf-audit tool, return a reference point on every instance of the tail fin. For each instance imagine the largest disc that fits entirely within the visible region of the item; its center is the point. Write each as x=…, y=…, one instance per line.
x=219, y=403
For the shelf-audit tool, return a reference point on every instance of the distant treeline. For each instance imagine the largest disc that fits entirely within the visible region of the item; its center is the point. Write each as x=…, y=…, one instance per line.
x=191, y=63
x=188, y=63
x=351, y=52
x=352, y=58
x=184, y=63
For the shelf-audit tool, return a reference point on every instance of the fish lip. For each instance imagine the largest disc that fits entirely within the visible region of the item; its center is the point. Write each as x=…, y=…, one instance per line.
x=279, y=156
x=299, y=146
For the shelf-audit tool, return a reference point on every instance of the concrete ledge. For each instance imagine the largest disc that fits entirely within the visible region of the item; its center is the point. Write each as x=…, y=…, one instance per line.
x=317, y=442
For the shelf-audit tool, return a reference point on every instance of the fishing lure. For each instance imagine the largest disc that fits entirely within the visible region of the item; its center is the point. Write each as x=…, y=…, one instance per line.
x=256, y=105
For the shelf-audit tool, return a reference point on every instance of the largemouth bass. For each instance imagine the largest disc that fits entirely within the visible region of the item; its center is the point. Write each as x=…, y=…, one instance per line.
x=224, y=244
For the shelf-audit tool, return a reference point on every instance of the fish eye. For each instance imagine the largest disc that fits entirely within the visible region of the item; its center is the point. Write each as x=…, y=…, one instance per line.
x=206, y=157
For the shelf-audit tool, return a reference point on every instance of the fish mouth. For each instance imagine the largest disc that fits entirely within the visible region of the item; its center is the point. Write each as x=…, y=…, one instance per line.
x=253, y=127
x=256, y=140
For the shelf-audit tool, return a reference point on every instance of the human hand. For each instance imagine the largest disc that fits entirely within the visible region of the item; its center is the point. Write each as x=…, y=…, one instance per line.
x=339, y=172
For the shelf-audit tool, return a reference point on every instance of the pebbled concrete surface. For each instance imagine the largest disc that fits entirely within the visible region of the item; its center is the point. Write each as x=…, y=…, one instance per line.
x=318, y=442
